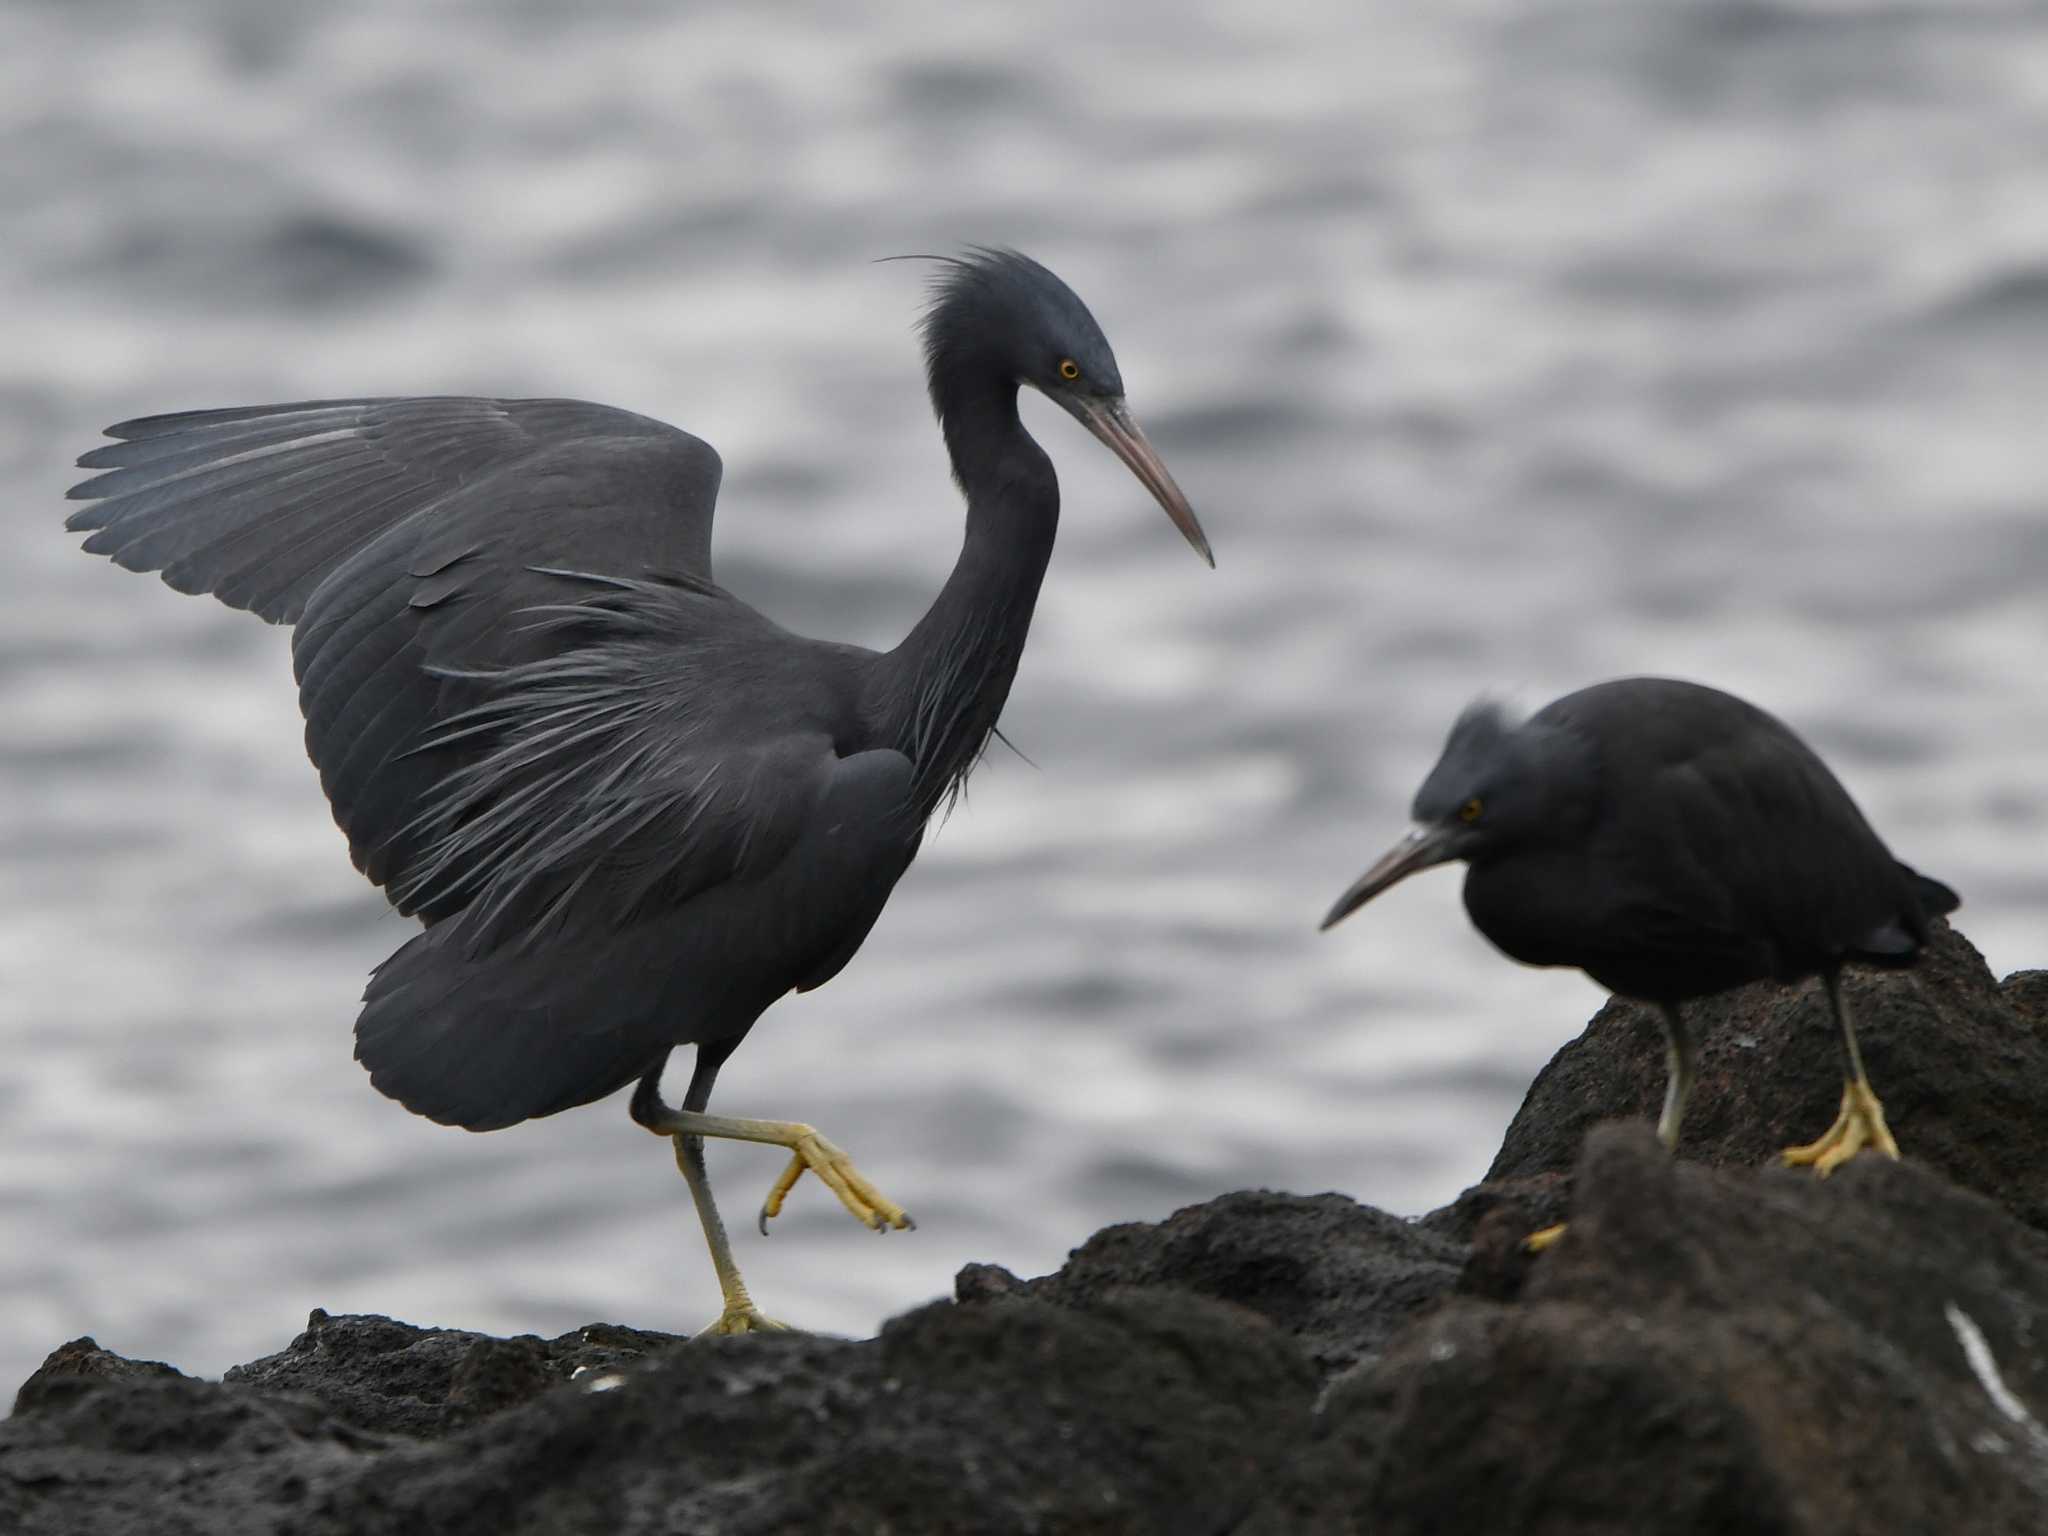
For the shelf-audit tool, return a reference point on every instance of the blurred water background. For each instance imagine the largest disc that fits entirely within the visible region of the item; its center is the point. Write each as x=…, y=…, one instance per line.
x=1501, y=346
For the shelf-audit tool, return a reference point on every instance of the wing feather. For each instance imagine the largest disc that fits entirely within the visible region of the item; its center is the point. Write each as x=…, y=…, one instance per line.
x=582, y=776
x=401, y=538
x=1782, y=852
x=213, y=499
x=534, y=715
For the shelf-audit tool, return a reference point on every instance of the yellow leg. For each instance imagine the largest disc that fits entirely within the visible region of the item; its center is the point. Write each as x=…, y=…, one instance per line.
x=739, y=1314
x=808, y=1150
x=1811, y=1151
x=1678, y=1078
x=1678, y=1075
x=687, y=1127
x=1860, y=1122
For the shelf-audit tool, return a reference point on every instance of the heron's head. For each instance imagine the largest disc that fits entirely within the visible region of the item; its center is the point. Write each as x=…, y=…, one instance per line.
x=998, y=313
x=1496, y=787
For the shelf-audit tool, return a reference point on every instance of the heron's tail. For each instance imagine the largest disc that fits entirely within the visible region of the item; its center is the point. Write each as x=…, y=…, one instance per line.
x=486, y=1043
x=1936, y=899
x=1897, y=942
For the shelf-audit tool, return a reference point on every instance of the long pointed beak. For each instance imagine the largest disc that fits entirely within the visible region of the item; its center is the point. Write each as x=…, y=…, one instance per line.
x=1110, y=420
x=1418, y=850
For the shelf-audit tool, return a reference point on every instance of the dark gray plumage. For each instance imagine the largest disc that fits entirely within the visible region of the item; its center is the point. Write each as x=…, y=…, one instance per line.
x=631, y=811
x=1671, y=841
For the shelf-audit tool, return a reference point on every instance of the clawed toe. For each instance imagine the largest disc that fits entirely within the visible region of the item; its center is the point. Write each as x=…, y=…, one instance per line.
x=743, y=1319
x=812, y=1152
x=1858, y=1124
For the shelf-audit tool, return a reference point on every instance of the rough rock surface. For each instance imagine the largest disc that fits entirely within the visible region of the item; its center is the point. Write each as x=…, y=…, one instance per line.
x=394, y=1378
x=1339, y=1277
x=1959, y=1059
x=1711, y=1351
x=1144, y=1411
x=1714, y=1346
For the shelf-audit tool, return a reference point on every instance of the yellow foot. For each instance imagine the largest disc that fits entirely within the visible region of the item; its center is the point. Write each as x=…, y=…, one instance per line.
x=1859, y=1124
x=870, y=1207
x=745, y=1318
x=1536, y=1242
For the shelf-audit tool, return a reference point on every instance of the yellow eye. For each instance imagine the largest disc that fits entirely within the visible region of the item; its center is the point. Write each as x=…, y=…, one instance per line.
x=1471, y=810
x=1069, y=369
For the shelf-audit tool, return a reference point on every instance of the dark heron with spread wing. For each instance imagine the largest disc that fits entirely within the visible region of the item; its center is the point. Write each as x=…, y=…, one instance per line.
x=630, y=811
x=1671, y=841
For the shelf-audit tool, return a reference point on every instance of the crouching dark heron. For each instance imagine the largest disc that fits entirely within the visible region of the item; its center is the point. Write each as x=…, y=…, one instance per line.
x=630, y=811
x=1671, y=841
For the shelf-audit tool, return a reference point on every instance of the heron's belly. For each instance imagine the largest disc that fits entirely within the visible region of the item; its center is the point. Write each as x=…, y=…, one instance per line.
x=1624, y=947
x=1661, y=973
x=731, y=953
x=831, y=958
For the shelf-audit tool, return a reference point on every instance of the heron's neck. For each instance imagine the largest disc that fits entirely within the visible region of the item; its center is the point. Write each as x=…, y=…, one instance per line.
x=941, y=691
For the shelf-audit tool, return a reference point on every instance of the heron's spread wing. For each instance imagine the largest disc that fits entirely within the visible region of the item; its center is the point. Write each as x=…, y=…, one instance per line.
x=260, y=505
x=409, y=541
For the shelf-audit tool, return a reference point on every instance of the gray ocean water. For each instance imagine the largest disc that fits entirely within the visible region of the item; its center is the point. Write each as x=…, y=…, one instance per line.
x=1501, y=347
